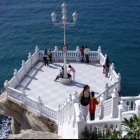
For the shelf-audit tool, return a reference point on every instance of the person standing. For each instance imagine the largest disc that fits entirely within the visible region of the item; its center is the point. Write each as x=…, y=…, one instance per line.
x=71, y=69
x=92, y=105
x=50, y=55
x=86, y=52
x=84, y=99
x=82, y=53
x=45, y=60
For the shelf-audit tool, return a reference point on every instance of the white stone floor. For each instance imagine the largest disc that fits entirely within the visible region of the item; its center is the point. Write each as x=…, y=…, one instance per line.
x=40, y=81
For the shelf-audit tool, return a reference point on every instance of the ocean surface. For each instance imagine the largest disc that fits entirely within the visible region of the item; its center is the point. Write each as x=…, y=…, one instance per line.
x=112, y=24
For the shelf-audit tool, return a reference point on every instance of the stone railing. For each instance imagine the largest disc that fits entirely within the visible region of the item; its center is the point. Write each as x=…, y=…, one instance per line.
x=29, y=103
x=70, y=120
x=26, y=66
x=57, y=55
x=130, y=101
x=108, y=108
x=100, y=127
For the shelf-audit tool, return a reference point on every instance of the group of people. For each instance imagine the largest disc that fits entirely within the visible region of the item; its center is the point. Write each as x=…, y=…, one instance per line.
x=88, y=102
x=85, y=51
x=47, y=56
x=70, y=71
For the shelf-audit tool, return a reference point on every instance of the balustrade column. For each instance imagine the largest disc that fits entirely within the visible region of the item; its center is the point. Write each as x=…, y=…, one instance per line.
x=114, y=107
x=119, y=79
x=111, y=68
x=40, y=105
x=80, y=122
x=30, y=59
x=56, y=53
x=77, y=54
x=106, y=90
x=24, y=67
x=102, y=99
x=137, y=108
x=16, y=76
x=23, y=94
x=37, y=52
x=99, y=51
x=6, y=85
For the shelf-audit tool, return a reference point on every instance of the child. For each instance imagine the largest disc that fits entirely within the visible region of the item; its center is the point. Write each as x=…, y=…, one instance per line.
x=92, y=105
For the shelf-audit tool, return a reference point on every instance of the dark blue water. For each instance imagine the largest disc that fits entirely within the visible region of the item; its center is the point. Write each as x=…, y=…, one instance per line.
x=113, y=24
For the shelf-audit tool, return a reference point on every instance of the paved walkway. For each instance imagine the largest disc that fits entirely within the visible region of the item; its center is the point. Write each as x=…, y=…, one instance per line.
x=40, y=82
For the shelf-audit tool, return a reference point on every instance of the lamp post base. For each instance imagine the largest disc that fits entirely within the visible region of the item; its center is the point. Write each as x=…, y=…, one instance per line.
x=65, y=81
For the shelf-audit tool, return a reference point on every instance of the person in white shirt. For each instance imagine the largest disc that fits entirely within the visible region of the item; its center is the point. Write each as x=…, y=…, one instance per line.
x=86, y=52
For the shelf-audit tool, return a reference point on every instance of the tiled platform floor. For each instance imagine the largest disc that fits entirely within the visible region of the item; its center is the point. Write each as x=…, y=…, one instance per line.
x=40, y=81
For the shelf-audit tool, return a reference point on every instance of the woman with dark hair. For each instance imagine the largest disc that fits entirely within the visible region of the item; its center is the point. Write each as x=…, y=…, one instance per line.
x=84, y=100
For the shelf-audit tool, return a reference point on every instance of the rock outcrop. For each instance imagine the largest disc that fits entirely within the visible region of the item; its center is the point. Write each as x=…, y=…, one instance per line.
x=25, y=122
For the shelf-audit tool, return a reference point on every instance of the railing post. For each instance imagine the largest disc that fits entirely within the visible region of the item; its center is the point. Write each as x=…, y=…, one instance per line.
x=40, y=105
x=99, y=51
x=119, y=80
x=111, y=68
x=37, y=51
x=121, y=108
x=30, y=59
x=115, y=101
x=23, y=94
x=6, y=85
x=77, y=54
x=80, y=122
x=137, y=108
x=106, y=90
x=102, y=99
x=24, y=67
x=105, y=59
x=16, y=75
x=56, y=53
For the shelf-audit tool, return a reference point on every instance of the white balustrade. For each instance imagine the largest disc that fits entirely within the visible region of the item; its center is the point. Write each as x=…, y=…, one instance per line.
x=130, y=101
x=100, y=126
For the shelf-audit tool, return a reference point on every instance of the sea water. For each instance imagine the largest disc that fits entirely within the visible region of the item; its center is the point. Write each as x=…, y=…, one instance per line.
x=112, y=24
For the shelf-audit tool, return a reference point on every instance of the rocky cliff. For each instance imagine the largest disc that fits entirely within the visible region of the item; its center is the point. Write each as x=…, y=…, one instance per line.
x=25, y=123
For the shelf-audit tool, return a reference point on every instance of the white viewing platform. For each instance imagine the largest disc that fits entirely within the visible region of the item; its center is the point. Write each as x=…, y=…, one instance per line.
x=39, y=81
x=33, y=87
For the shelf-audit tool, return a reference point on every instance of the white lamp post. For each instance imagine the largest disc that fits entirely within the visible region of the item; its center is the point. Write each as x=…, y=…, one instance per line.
x=64, y=24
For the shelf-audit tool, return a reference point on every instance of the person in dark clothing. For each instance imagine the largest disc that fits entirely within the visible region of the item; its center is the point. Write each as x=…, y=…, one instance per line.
x=45, y=60
x=106, y=66
x=60, y=75
x=50, y=55
x=82, y=53
x=84, y=100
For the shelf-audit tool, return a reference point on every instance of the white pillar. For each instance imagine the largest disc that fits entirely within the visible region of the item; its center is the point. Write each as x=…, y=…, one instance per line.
x=80, y=122
x=137, y=108
x=23, y=94
x=56, y=53
x=119, y=79
x=77, y=54
x=115, y=101
x=37, y=51
x=106, y=90
x=16, y=75
x=6, y=85
x=99, y=51
x=40, y=105
x=30, y=59
x=24, y=67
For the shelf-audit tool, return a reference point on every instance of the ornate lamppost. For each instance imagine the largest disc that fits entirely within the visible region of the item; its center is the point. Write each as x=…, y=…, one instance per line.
x=64, y=24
